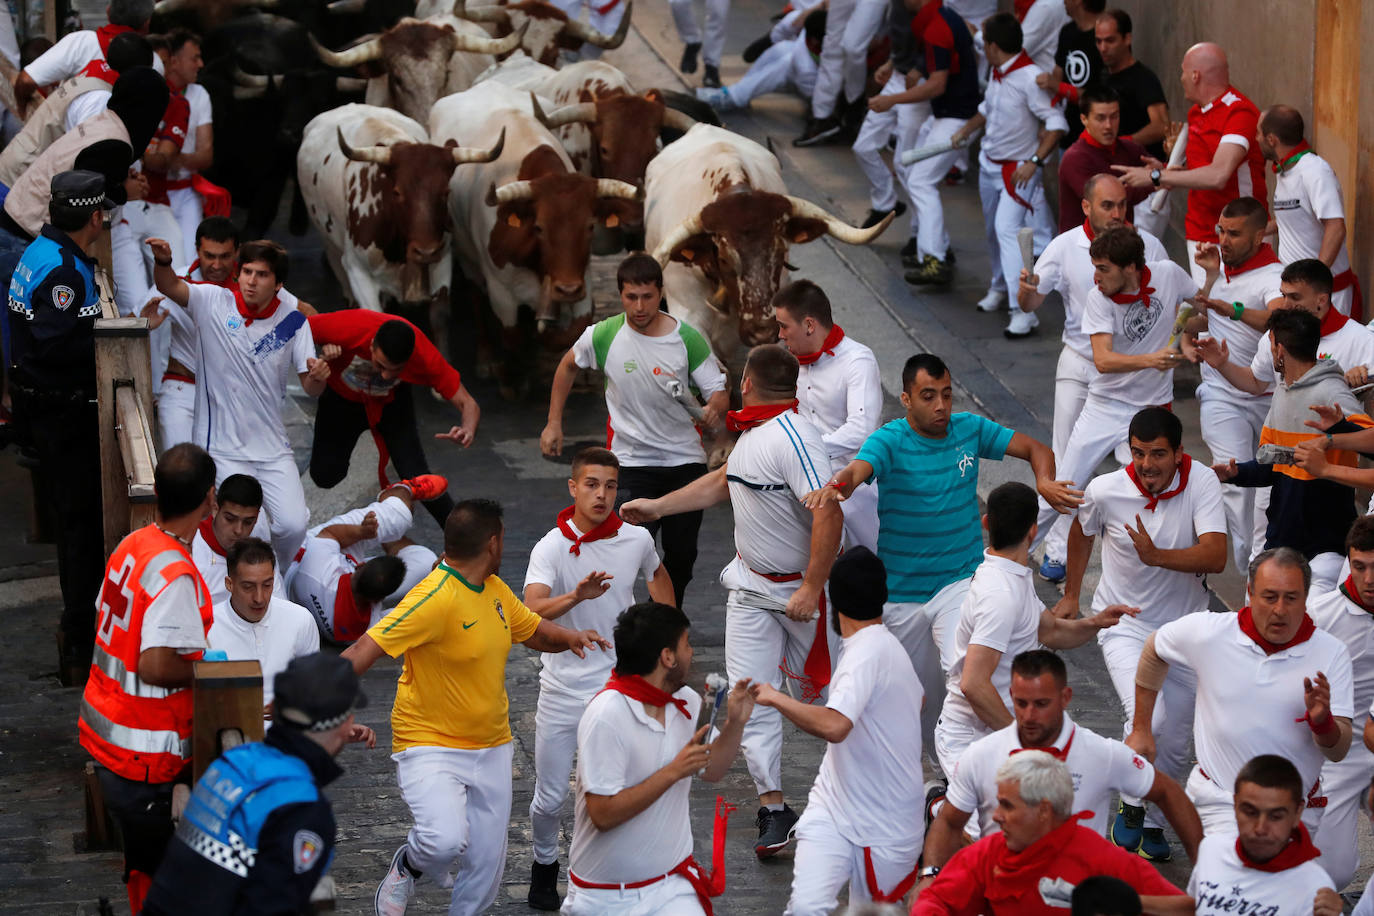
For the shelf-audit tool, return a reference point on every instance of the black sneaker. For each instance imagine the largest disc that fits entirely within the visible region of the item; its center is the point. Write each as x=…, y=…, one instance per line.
x=819, y=131
x=756, y=48
x=930, y=272
x=910, y=260
x=544, y=887
x=936, y=793
x=710, y=77
x=949, y=256
x=954, y=176
x=875, y=217
x=776, y=829
x=688, y=64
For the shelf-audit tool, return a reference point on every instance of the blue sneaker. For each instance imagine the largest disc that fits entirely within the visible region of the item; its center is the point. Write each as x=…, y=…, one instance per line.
x=719, y=99
x=1052, y=570
x=1128, y=827
x=1154, y=846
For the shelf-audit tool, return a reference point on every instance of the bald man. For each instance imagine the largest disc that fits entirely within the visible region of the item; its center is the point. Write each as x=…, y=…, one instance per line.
x=1223, y=158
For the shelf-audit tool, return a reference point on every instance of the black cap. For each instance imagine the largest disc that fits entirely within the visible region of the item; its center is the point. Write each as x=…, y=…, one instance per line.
x=858, y=584
x=80, y=189
x=317, y=692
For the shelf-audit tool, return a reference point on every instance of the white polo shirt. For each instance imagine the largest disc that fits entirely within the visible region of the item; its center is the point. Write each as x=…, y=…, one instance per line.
x=842, y=395
x=626, y=556
x=1112, y=501
x=69, y=56
x=1002, y=612
x=1138, y=328
x=1015, y=107
x=1249, y=703
x=1066, y=266
x=1306, y=193
x=244, y=367
x=1350, y=344
x=619, y=745
x=1354, y=626
x=870, y=783
x=1221, y=885
x=285, y=632
x=1253, y=289
x=210, y=561
x=1100, y=767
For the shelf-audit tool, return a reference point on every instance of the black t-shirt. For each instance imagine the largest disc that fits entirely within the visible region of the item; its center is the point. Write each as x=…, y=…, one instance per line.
x=949, y=46
x=1077, y=56
x=1139, y=88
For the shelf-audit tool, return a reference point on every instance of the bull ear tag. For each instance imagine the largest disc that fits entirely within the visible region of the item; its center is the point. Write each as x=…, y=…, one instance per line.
x=687, y=254
x=513, y=220
x=612, y=221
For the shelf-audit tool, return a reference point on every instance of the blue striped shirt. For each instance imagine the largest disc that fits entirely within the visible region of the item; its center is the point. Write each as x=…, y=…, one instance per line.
x=930, y=533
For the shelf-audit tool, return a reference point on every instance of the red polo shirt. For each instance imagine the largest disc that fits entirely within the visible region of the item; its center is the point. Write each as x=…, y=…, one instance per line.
x=353, y=376
x=1230, y=118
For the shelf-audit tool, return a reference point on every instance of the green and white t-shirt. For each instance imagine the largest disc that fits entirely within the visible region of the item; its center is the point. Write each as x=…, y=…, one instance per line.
x=647, y=427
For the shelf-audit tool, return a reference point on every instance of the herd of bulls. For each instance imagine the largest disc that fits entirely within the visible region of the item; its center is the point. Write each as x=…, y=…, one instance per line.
x=475, y=172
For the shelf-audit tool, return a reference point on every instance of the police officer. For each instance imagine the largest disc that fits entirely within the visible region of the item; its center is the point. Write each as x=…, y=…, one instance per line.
x=258, y=833
x=53, y=306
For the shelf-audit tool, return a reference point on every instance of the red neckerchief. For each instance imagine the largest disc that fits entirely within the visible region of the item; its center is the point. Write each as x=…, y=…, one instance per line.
x=1302, y=149
x=350, y=621
x=832, y=340
x=1333, y=321
x=606, y=529
x=1298, y=851
x=248, y=316
x=1022, y=60
x=1018, y=873
x=1061, y=755
x=1152, y=499
x=1140, y=295
x=106, y=33
x=225, y=284
x=1264, y=255
x=1353, y=594
x=207, y=531
x=1247, y=626
x=100, y=70
x=1087, y=138
x=747, y=418
x=636, y=688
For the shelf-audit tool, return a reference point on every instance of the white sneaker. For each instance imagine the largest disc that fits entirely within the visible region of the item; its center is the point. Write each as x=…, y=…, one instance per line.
x=396, y=889
x=994, y=300
x=1021, y=324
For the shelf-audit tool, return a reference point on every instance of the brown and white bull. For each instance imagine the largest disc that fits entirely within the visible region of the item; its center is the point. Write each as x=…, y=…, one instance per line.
x=377, y=190
x=547, y=29
x=720, y=220
x=416, y=62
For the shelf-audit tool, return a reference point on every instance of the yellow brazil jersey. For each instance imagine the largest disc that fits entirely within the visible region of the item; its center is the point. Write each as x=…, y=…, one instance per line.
x=455, y=637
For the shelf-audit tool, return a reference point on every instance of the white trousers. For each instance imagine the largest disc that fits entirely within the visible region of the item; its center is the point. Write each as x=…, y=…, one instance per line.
x=1072, y=375
x=283, y=499
x=133, y=267
x=924, y=180
x=673, y=896
x=926, y=629
x=190, y=213
x=787, y=65
x=849, y=28
x=1100, y=427
x=953, y=738
x=1231, y=428
x=176, y=412
x=1345, y=784
x=1003, y=217
x=900, y=121
x=826, y=862
x=861, y=517
x=1149, y=221
x=1216, y=806
x=758, y=644
x=1326, y=568
x=394, y=519
x=1199, y=275
x=1172, y=723
x=460, y=803
x=556, y=717
x=690, y=32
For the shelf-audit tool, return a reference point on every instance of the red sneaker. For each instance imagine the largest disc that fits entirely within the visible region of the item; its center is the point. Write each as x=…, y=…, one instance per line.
x=425, y=487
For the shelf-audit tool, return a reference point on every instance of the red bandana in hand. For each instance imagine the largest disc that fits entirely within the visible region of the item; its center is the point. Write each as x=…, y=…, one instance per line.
x=1059, y=754
x=207, y=531
x=746, y=418
x=1152, y=499
x=606, y=529
x=1263, y=256
x=1142, y=295
x=1298, y=851
x=1022, y=60
x=636, y=688
x=832, y=340
x=1247, y=626
x=1353, y=594
x=249, y=316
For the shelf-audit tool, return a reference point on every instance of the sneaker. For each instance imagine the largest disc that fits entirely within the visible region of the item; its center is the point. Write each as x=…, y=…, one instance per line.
x=936, y=793
x=949, y=256
x=710, y=76
x=1154, y=846
x=544, y=887
x=911, y=258
x=993, y=300
x=1022, y=324
x=876, y=216
x=719, y=99
x=425, y=487
x=756, y=48
x=776, y=829
x=1128, y=827
x=931, y=271
x=954, y=176
x=820, y=131
x=394, y=893
x=1053, y=571
x=688, y=64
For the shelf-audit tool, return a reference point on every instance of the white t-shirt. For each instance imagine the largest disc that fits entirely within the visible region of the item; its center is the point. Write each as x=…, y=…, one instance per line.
x=648, y=428
x=870, y=783
x=1136, y=329
x=1350, y=345
x=172, y=619
x=199, y=101
x=843, y=396
x=313, y=580
x=1000, y=611
x=1065, y=265
x=1253, y=289
x=619, y=745
x=626, y=557
x=1306, y=193
x=1221, y=885
x=1112, y=501
x=1354, y=626
x=1100, y=767
x=69, y=57
x=1015, y=107
x=1040, y=31
x=244, y=367
x=212, y=567
x=1249, y=703
x=86, y=105
x=285, y=632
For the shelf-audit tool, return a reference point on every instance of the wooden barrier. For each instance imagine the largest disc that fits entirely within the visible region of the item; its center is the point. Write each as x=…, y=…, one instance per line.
x=227, y=695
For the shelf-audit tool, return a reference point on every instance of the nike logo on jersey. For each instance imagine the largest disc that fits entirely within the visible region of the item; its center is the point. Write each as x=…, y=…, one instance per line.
x=469, y=624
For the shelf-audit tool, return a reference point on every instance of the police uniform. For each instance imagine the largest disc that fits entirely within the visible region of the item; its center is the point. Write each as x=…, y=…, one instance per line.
x=53, y=305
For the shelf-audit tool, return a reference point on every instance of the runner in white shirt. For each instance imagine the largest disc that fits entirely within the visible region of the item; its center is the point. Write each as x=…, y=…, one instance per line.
x=862, y=824
x=254, y=623
x=1272, y=866
x=1066, y=266
x=1001, y=617
x=76, y=49
x=248, y=345
x=1100, y=766
x=1309, y=210
x=1040, y=30
x=197, y=154
x=639, y=742
x=1268, y=682
x=839, y=390
x=644, y=353
x=238, y=515
x=1163, y=530
x=775, y=613
x=582, y=573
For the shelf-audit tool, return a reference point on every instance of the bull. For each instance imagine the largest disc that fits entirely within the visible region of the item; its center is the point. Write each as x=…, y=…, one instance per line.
x=547, y=29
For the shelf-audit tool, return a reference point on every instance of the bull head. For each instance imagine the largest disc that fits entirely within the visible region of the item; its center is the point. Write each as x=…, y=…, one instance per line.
x=381, y=154
x=371, y=49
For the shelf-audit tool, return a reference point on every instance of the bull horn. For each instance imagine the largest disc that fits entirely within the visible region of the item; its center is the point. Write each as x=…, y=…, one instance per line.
x=358, y=54
x=580, y=30
x=249, y=92
x=677, y=120
x=480, y=14
x=349, y=84
x=168, y=6
x=478, y=45
x=463, y=154
x=260, y=4
x=256, y=80
x=379, y=155
x=341, y=7
x=579, y=113
x=515, y=190
x=611, y=187
x=850, y=235
x=681, y=232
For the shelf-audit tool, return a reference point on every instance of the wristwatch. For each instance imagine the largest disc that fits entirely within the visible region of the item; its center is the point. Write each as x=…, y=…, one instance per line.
x=1036, y=160
x=930, y=871
x=1155, y=175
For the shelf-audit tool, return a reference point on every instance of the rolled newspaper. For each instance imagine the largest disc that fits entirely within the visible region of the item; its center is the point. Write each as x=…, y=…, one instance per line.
x=678, y=392
x=716, y=689
x=1161, y=197
x=1185, y=314
x=1025, y=237
x=925, y=152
